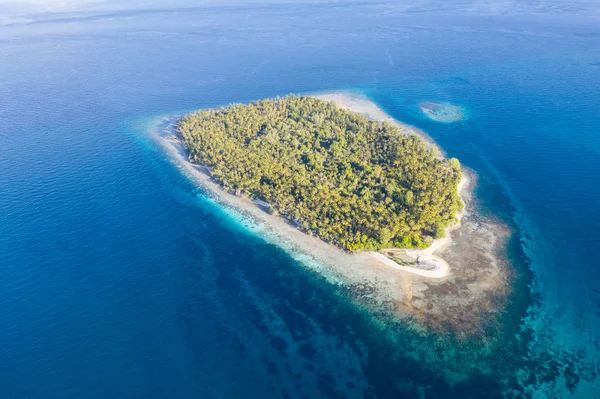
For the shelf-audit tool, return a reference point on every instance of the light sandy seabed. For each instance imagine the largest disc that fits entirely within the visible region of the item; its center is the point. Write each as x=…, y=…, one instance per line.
x=474, y=287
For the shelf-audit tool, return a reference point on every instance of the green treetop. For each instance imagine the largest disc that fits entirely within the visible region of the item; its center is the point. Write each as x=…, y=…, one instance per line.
x=353, y=182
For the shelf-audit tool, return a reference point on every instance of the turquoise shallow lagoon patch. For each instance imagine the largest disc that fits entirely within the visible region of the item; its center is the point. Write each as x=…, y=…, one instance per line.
x=443, y=112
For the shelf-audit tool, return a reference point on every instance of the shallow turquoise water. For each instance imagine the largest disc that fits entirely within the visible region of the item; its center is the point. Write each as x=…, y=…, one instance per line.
x=120, y=279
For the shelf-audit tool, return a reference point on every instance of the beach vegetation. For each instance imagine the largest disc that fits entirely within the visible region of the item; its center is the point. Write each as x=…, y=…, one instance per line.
x=353, y=182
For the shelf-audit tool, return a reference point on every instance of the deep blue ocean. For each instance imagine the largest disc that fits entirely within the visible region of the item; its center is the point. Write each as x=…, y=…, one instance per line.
x=119, y=279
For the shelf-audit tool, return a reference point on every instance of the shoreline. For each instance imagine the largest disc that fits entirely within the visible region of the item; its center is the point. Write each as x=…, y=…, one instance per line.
x=376, y=280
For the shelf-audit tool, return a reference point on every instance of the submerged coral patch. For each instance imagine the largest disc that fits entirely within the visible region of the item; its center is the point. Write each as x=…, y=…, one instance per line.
x=443, y=112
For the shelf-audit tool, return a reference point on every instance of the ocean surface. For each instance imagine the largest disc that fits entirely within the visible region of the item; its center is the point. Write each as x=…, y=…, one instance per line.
x=119, y=279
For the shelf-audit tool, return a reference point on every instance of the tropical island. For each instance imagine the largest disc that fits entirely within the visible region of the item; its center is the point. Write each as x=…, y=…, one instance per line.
x=411, y=282
x=353, y=182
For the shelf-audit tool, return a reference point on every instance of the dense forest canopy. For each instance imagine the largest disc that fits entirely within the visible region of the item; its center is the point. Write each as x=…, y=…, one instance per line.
x=353, y=182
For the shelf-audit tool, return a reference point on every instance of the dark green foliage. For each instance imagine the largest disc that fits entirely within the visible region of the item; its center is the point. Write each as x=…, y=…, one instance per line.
x=355, y=183
x=439, y=231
